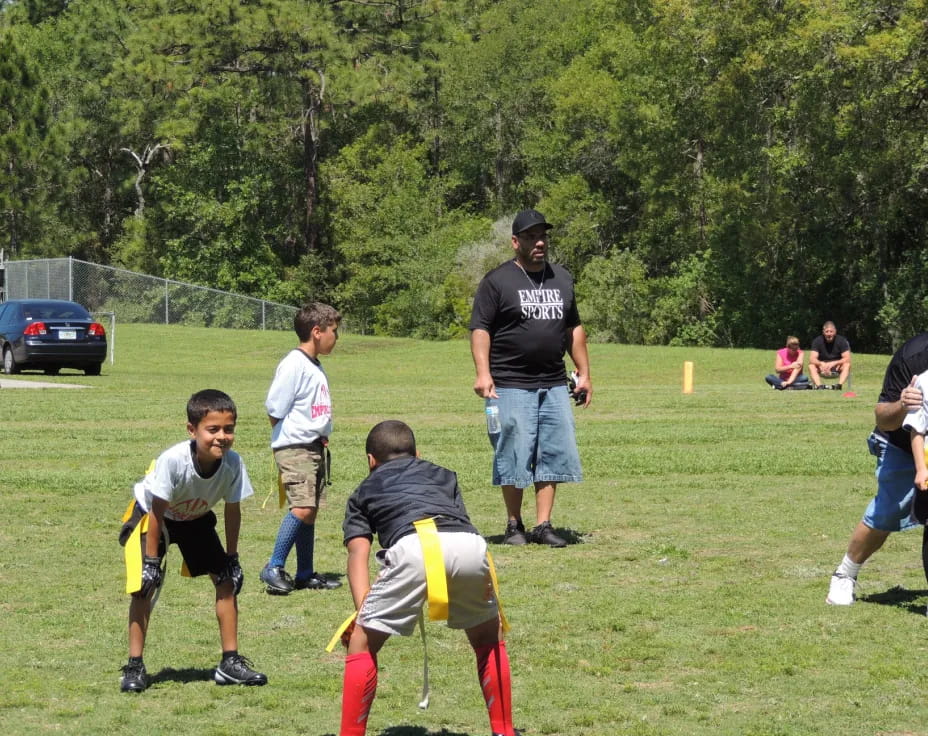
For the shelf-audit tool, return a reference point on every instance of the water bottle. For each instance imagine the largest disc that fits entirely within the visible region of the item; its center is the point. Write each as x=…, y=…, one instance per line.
x=492, y=419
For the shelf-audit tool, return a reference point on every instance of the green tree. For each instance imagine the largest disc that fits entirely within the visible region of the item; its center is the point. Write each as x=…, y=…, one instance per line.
x=32, y=12
x=28, y=151
x=493, y=92
x=397, y=239
x=90, y=201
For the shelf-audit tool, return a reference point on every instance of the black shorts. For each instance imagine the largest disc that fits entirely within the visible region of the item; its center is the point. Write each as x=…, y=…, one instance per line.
x=197, y=540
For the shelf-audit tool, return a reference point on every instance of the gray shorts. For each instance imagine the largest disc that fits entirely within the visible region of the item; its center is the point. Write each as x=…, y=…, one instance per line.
x=393, y=603
x=302, y=473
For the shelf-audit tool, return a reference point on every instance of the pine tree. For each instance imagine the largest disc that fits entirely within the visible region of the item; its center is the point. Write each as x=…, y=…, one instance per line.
x=24, y=143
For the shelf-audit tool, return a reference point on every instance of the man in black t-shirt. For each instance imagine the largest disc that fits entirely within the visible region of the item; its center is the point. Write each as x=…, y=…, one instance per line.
x=889, y=511
x=829, y=356
x=524, y=319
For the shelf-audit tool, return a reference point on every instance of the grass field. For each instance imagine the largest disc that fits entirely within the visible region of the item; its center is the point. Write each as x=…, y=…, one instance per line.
x=692, y=602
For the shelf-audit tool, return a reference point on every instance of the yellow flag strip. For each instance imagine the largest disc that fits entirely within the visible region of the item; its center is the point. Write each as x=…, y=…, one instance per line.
x=341, y=630
x=133, y=555
x=436, y=581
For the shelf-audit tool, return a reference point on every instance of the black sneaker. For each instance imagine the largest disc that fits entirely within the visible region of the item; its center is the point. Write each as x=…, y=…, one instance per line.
x=236, y=670
x=134, y=678
x=514, y=534
x=277, y=580
x=544, y=534
x=515, y=731
x=316, y=581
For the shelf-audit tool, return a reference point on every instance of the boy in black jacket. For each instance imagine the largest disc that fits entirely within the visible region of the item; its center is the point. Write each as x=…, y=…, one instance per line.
x=400, y=490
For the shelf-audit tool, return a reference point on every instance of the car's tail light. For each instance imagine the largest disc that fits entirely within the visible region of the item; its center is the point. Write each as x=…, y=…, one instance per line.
x=36, y=328
x=96, y=330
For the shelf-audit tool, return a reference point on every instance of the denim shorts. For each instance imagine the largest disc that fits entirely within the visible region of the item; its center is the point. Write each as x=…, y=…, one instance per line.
x=891, y=508
x=536, y=442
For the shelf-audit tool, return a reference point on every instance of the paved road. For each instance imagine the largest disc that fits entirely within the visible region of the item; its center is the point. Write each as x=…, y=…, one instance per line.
x=12, y=383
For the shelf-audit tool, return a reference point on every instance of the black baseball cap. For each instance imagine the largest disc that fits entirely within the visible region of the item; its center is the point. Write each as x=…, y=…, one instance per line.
x=529, y=218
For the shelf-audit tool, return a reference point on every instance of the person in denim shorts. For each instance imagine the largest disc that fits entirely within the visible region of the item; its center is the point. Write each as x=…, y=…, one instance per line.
x=299, y=408
x=524, y=319
x=891, y=509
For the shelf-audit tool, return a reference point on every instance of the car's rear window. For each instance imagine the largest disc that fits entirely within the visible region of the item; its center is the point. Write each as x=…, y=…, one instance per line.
x=54, y=311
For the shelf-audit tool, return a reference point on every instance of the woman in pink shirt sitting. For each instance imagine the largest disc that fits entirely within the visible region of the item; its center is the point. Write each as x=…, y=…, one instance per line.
x=788, y=367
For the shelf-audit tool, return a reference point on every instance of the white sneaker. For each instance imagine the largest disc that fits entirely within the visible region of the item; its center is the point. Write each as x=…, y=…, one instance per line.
x=841, y=590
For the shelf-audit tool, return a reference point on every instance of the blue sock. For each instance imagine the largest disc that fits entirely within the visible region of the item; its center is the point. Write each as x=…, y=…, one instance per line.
x=305, y=540
x=286, y=536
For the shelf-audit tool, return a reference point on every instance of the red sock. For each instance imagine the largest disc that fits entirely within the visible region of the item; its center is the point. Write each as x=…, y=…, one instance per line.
x=358, y=690
x=496, y=683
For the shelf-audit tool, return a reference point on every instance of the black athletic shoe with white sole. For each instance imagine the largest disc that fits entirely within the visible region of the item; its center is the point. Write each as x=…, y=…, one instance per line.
x=316, y=581
x=236, y=670
x=134, y=678
x=277, y=580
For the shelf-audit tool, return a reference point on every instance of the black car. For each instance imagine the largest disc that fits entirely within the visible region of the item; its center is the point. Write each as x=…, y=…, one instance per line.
x=48, y=335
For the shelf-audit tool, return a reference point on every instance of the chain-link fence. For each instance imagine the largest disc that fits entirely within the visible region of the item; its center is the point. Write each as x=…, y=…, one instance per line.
x=134, y=297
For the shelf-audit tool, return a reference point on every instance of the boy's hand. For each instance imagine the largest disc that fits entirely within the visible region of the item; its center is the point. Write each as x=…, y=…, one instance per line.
x=151, y=575
x=346, y=634
x=233, y=572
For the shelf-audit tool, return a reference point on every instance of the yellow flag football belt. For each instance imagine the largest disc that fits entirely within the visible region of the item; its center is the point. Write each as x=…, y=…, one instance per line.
x=436, y=582
x=132, y=552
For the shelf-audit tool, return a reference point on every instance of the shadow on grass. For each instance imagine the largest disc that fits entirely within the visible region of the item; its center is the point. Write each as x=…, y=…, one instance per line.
x=418, y=731
x=188, y=674
x=333, y=576
x=899, y=597
x=568, y=535
x=414, y=731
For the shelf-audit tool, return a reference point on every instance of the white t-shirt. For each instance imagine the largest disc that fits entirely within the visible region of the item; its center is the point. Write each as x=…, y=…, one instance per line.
x=299, y=398
x=917, y=419
x=189, y=495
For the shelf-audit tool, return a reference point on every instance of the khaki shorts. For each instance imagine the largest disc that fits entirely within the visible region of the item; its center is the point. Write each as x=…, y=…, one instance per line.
x=393, y=603
x=302, y=473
